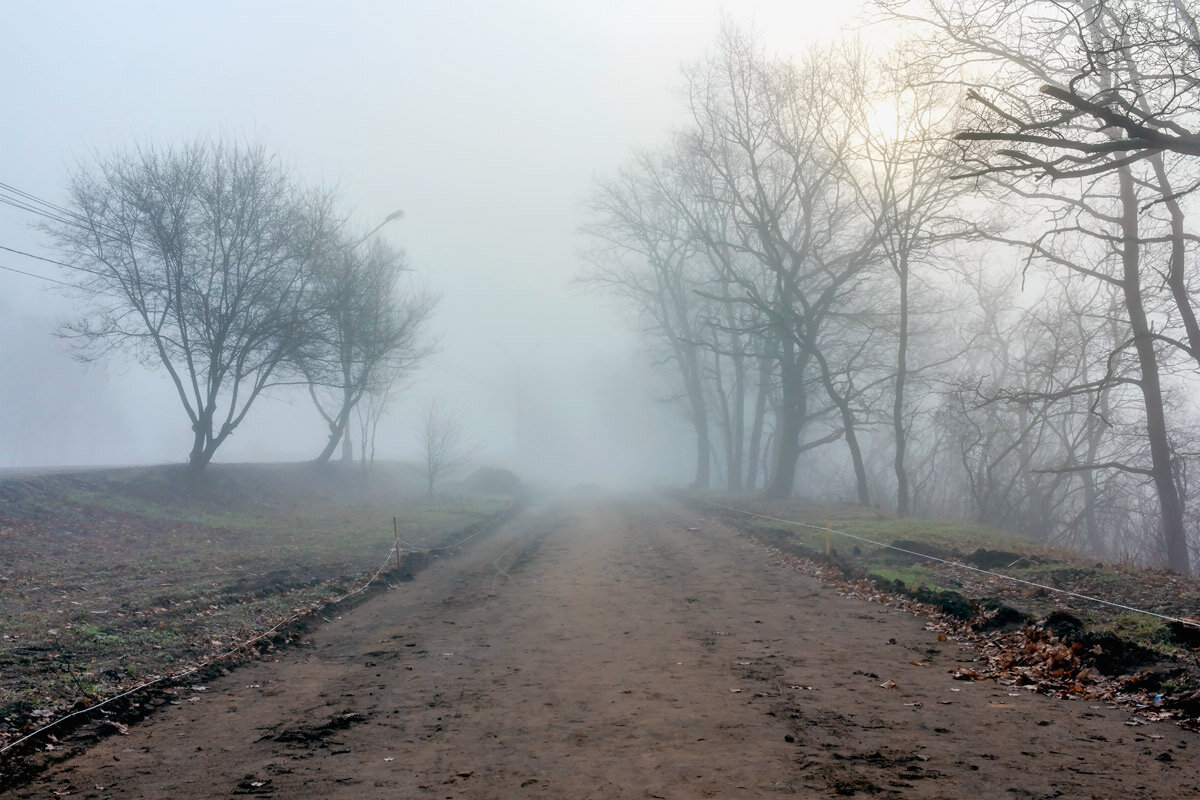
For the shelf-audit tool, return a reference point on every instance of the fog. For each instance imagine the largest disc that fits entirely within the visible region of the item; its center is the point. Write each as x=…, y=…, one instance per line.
x=485, y=122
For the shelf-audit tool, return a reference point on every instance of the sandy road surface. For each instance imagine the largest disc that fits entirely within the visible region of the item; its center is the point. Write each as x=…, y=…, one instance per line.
x=596, y=648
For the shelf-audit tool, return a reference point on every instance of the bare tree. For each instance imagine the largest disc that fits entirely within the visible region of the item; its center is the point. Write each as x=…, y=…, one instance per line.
x=367, y=332
x=904, y=180
x=192, y=258
x=443, y=444
x=370, y=410
x=1131, y=58
x=769, y=144
x=646, y=255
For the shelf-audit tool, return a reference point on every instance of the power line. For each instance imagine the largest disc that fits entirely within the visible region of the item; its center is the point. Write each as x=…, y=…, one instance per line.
x=51, y=260
x=18, y=198
x=7, y=187
x=456, y=373
x=75, y=267
x=34, y=275
x=24, y=201
x=16, y=202
x=39, y=258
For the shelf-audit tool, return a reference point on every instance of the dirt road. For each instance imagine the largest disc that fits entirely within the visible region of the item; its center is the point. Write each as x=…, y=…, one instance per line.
x=596, y=647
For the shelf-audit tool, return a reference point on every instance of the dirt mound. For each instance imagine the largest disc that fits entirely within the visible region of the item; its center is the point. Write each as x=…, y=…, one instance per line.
x=493, y=480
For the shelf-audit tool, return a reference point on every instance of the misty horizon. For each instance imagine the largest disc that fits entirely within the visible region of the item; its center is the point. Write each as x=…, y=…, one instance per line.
x=486, y=125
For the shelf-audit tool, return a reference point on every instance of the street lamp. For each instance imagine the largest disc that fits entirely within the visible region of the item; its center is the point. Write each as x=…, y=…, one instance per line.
x=397, y=214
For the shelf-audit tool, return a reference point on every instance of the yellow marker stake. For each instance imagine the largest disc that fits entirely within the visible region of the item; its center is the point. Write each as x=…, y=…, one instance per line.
x=828, y=542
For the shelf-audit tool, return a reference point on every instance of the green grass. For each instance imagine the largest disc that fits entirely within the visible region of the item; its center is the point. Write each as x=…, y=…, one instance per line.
x=913, y=577
x=1041, y=564
x=885, y=530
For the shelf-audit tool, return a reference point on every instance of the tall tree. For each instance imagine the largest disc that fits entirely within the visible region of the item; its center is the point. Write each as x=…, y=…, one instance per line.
x=646, y=254
x=367, y=330
x=193, y=259
x=769, y=144
x=1108, y=53
x=904, y=181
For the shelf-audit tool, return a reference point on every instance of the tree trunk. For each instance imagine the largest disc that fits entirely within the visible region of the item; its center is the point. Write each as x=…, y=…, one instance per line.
x=756, y=429
x=902, y=491
x=738, y=419
x=703, y=443
x=1176, y=278
x=723, y=418
x=337, y=433
x=850, y=424
x=788, y=424
x=1162, y=470
x=703, y=455
x=202, y=446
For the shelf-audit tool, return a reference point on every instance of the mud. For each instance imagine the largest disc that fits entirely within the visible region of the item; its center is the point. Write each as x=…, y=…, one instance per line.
x=608, y=648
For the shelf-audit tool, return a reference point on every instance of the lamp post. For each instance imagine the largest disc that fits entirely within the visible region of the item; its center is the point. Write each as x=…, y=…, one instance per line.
x=397, y=214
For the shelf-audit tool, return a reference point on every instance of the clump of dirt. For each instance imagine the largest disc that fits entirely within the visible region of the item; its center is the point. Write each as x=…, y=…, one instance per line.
x=1002, y=616
x=308, y=735
x=1183, y=635
x=947, y=601
x=1107, y=652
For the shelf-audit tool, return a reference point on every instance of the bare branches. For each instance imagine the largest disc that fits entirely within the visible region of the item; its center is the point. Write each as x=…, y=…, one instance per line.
x=443, y=444
x=1117, y=465
x=1093, y=87
x=365, y=330
x=195, y=256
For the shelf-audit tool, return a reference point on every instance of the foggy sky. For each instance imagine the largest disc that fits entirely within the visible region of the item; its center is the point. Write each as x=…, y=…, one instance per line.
x=486, y=122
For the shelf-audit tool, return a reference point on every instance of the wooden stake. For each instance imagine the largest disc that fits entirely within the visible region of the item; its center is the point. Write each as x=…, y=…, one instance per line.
x=828, y=539
x=396, y=533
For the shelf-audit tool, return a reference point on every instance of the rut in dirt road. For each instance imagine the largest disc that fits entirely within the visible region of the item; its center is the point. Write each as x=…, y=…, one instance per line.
x=602, y=647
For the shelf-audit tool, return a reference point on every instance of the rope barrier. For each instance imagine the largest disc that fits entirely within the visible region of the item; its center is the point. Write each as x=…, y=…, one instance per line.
x=956, y=564
x=411, y=548
x=258, y=637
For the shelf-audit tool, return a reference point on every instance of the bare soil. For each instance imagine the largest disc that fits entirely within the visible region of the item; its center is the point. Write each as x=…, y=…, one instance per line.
x=110, y=578
x=600, y=647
